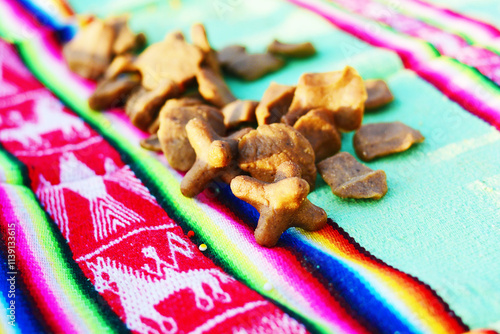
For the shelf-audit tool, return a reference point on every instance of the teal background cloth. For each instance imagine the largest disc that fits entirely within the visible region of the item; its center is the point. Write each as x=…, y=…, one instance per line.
x=440, y=220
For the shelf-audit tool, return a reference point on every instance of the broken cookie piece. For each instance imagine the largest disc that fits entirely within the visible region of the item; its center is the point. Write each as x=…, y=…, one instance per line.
x=126, y=40
x=254, y=66
x=152, y=143
x=90, y=52
x=121, y=64
x=298, y=50
x=380, y=139
x=239, y=112
x=379, y=94
x=275, y=103
x=119, y=80
x=213, y=88
x=228, y=54
x=264, y=149
x=281, y=204
x=200, y=39
x=113, y=92
x=173, y=59
x=238, y=62
x=143, y=105
x=318, y=126
x=350, y=179
x=172, y=131
x=214, y=154
x=341, y=92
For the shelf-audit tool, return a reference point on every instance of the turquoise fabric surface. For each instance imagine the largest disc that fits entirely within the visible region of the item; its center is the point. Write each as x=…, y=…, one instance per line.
x=440, y=220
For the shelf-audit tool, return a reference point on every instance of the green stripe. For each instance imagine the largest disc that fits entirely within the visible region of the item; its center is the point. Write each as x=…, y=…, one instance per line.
x=11, y=168
x=487, y=85
x=423, y=45
x=462, y=33
x=162, y=184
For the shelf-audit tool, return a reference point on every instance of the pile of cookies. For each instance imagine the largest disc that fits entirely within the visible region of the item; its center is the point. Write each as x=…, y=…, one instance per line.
x=268, y=151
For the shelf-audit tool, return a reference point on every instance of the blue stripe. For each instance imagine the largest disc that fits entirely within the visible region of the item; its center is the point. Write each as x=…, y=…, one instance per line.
x=25, y=318
x=64, y=31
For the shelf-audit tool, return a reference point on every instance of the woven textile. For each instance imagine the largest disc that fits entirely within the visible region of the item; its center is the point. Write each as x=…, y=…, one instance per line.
x=98, y=227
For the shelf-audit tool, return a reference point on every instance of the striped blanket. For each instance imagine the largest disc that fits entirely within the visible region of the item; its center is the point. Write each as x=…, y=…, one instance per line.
x=97, y=238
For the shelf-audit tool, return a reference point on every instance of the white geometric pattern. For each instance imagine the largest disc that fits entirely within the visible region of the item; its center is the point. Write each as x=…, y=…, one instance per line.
x=126, y=178
x=176, y=245
x=53, y=200
x=108, y=215
x=140, y=292
x=50, y=117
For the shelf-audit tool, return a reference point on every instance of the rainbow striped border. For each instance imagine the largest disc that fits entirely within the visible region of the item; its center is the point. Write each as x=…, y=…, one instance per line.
x=474, y=30
x=62, y=296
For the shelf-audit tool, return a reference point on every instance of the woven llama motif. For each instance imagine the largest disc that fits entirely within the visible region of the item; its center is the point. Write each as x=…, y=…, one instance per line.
x=141, y=290
x=50, y=117
x=108, y=214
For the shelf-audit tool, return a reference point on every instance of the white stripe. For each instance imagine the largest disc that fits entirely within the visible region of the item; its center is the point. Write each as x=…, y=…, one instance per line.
x=457, y=24
x=22, y=97
x=226, y=315
x=452, y=150
x=117, y=241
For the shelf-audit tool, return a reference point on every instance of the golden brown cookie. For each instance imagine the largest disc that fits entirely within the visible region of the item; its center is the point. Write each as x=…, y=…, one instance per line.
x=118, y=82
x=215, y=155
x=341, y=92
x=143, y=105
x=237, y=61
x=152, y=143
x=350, y=179
x=297, y=50
x=239, y=112
x=213, y=88
x=275, y=103
x=200, y=39
x=281, y=204
x=318, y=126
x=177, y=102
x=379, y=94
x=113, y=92
x=90, y=52
x=228, y=54
x=126, y=40
x=380, y=139
x=121, y=64
x=173, y=59
x=264, y=149
x=172, y=131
